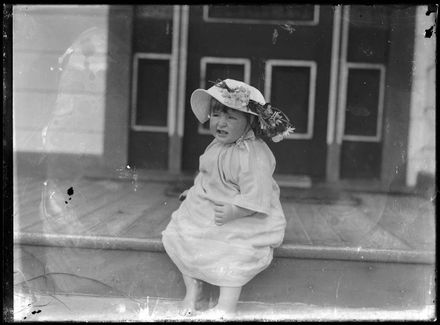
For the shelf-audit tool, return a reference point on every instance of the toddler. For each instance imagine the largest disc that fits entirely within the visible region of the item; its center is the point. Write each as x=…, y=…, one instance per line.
x=225, y=230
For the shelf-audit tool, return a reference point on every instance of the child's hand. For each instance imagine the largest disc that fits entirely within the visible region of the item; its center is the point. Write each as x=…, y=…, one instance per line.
x=182, y=196
x=225, y=212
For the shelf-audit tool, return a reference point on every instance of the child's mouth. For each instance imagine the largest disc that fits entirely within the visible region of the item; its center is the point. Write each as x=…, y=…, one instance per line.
x=222, y=132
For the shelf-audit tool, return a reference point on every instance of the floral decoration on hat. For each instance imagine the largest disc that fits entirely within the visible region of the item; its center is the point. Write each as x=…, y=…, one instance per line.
x=237, y=97
x=273, y=123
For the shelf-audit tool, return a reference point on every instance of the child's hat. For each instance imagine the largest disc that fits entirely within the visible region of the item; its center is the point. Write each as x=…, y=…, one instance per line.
x=231, y=93
x=238, y=95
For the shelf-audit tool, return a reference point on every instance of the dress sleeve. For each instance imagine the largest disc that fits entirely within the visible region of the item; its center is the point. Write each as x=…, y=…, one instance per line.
x=255, y=180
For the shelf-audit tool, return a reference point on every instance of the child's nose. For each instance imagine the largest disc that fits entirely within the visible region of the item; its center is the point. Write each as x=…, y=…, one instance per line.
x=222, y=120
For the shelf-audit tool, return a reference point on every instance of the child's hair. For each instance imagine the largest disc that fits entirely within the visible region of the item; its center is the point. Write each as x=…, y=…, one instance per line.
x=216, y=106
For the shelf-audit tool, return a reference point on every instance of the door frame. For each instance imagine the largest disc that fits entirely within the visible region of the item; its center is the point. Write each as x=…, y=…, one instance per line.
x=180, y=45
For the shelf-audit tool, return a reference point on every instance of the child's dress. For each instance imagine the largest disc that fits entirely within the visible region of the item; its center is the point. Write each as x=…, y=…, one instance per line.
x=233, y=253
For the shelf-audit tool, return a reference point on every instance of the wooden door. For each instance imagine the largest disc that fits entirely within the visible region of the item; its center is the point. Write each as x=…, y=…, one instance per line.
x=284, y=51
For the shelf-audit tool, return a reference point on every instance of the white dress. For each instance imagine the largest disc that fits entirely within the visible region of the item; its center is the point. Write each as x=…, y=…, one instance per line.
x=232, y=254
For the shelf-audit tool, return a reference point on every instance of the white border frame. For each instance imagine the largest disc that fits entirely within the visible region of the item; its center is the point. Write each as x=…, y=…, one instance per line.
x=221, y=60
x=150, y=128
x=313, y=22
x=366, y=66
x=312, y=91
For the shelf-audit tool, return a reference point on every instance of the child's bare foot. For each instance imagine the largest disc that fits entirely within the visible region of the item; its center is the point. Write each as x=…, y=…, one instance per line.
x=193, y=291
x=188, y=308
x=227, y=304
x=219, y=314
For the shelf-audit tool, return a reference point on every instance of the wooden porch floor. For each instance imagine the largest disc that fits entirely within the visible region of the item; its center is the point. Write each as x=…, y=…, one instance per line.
x=142, y=210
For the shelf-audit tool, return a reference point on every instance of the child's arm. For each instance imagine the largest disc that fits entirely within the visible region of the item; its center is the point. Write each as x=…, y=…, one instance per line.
x=254, y=178
x=225, y=212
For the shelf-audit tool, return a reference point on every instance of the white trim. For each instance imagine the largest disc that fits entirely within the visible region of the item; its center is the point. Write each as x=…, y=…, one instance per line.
x=151, y=56
x=150, y=128
x=382, y=69
x=313, y=22
x=182, y=73
x=174, y=69
x=312, y=89
x=342, y=76
x=221, y=60
x=334, y=69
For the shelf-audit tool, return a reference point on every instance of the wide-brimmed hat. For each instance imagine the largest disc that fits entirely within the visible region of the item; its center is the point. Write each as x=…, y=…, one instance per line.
x=238, y=95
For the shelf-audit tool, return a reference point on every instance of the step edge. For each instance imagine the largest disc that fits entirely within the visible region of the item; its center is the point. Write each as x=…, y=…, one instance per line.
x=284, y=251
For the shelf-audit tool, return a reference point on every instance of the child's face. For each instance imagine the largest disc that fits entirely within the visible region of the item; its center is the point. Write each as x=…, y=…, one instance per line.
x=227, y=124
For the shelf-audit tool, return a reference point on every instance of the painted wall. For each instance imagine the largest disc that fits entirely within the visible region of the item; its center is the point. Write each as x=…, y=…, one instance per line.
x=59, y=78
x=421, y=143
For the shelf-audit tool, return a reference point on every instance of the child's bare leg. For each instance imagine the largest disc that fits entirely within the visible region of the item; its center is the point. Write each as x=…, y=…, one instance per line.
x=193, y=290
x=227, y=301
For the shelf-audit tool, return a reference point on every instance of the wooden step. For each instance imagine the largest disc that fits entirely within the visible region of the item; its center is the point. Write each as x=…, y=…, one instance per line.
x=136, y=267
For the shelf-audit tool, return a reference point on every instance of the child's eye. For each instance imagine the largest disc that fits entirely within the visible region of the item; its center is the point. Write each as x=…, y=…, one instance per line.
x=232, y=118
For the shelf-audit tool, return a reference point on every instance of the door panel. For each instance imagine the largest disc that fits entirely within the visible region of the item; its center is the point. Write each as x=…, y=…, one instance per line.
x=365, y=73
x=152, y=47
x=152, y=92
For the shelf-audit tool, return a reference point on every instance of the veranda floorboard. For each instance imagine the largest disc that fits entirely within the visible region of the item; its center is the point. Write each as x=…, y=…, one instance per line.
x=31, y=214
x=27, y=193
x=26, y=209
x=112, y=219
x=409, y=218
x=71, y=220
x=295, y=232
x=356, y=230
x=89, y=188
x=317, y=228
x=379, y=238
x=25, y=189
x=26, y=198
x=22, y=180
x=151, y=221
x=420, y=234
